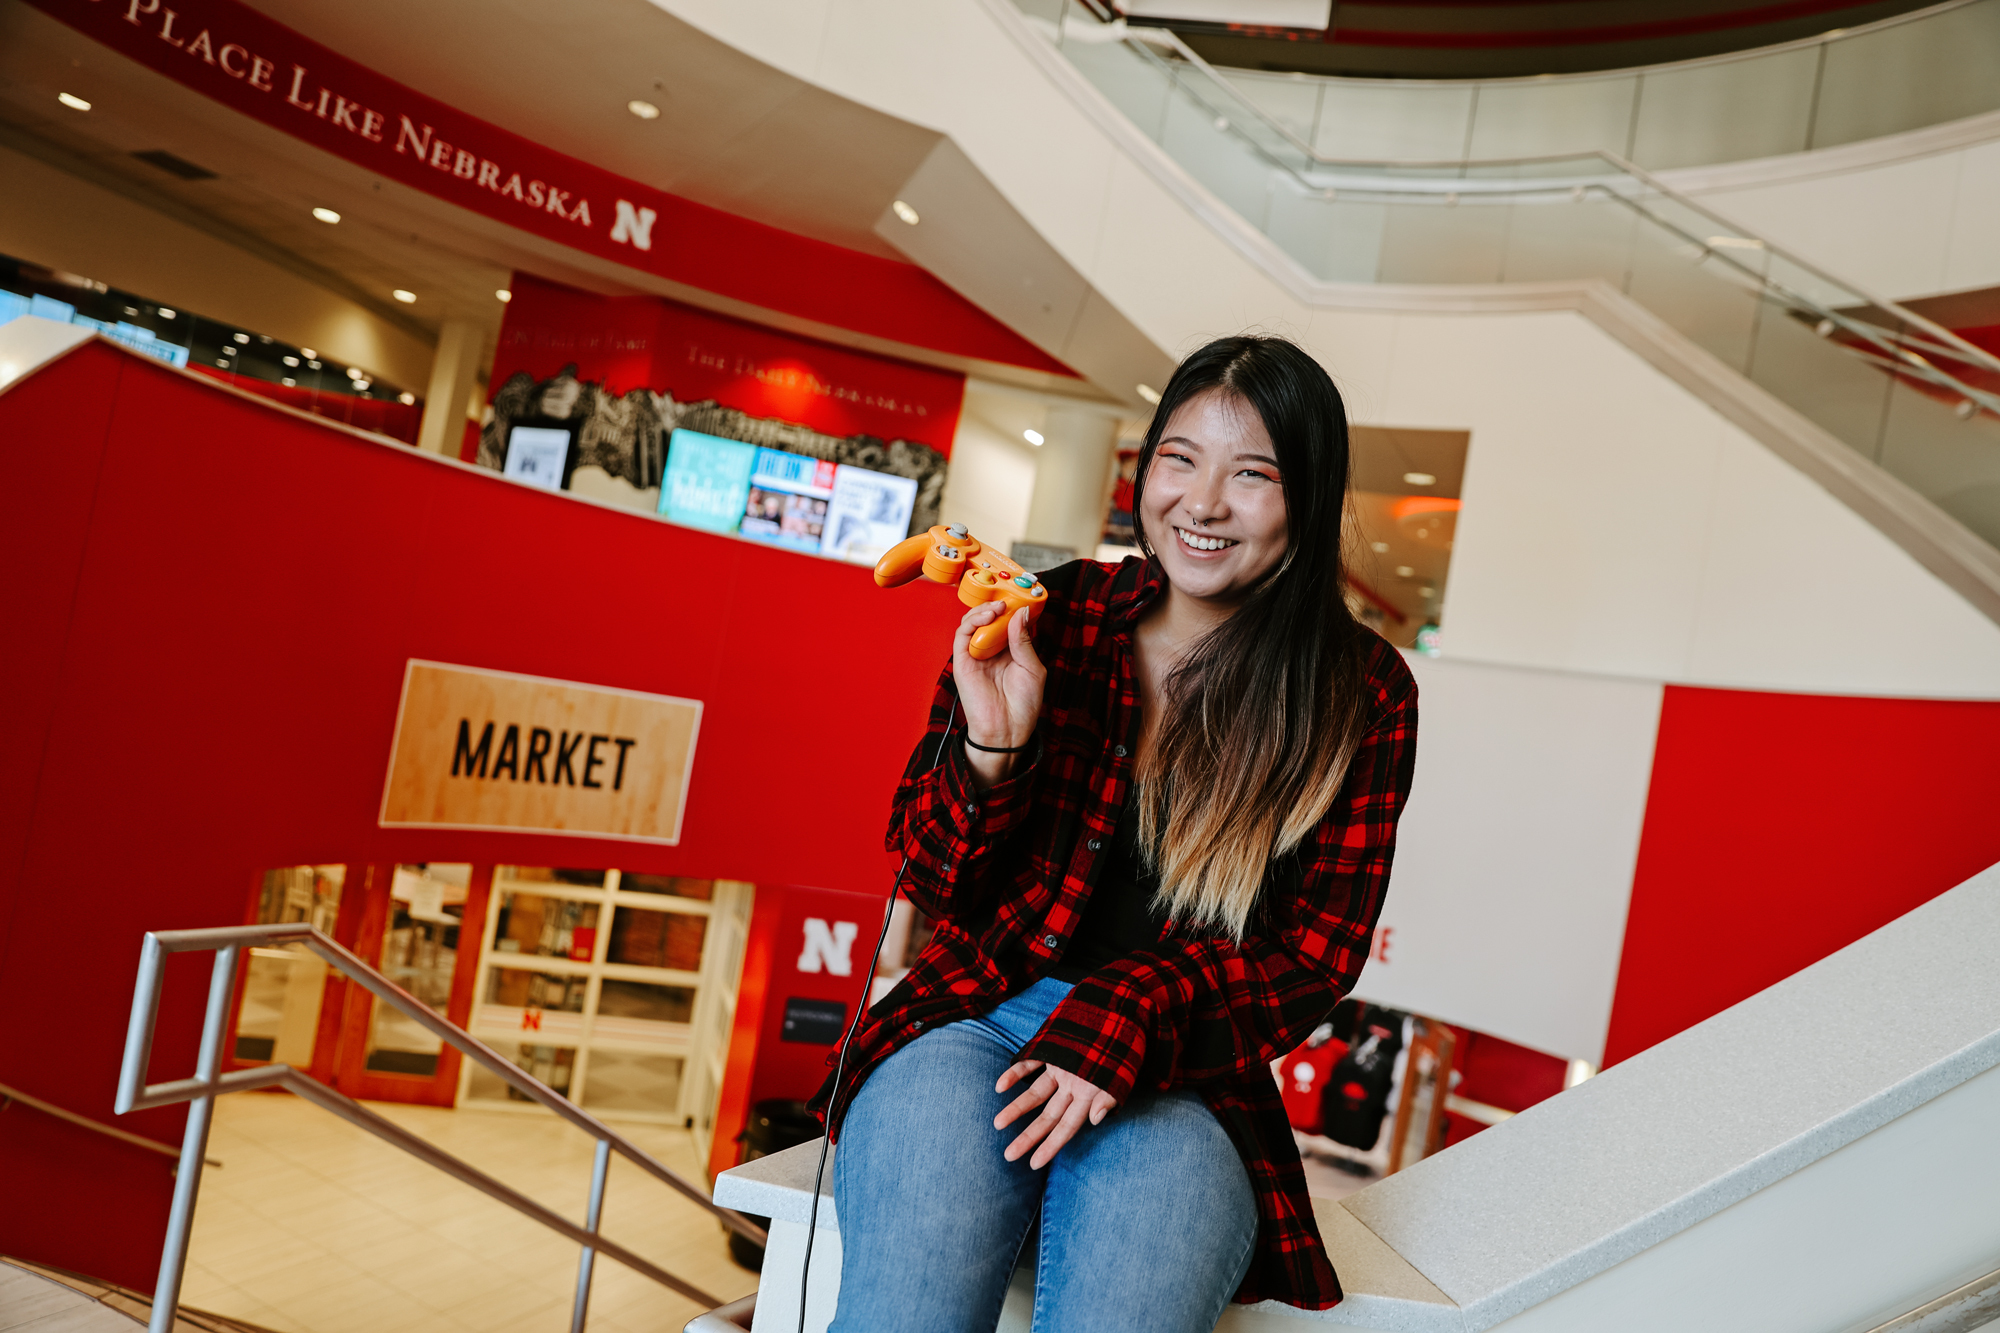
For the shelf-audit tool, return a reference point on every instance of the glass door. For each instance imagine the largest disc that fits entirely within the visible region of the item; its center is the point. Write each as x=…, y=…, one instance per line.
x=411, y=926
x=611, y=987
x=281, y=1008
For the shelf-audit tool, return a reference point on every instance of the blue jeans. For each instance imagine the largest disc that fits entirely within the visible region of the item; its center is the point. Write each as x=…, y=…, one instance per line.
x=1147, y=1221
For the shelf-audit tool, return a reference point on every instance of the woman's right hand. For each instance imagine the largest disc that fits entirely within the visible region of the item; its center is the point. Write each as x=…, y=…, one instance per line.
x=1001, y=697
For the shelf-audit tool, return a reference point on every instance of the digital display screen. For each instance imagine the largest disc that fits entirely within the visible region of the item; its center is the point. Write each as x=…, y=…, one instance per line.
x=867, y=513
x=818, y=1022
x=537, y=455
x=707, y=482
x=788, y=500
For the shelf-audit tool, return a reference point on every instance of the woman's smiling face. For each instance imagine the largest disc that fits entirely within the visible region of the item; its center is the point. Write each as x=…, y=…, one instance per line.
x=1214, y=504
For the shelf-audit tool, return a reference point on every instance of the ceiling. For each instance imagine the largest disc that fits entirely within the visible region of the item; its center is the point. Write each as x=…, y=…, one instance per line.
x=733, y=134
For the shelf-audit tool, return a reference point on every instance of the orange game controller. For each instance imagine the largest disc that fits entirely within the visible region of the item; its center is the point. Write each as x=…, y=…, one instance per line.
x=953, y=555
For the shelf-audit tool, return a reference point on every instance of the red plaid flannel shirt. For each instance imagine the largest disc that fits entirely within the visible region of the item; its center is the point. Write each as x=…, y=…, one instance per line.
x=1006, y=874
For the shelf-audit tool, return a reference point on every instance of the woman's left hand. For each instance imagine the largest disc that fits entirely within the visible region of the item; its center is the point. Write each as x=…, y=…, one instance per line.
x=1065, y=1100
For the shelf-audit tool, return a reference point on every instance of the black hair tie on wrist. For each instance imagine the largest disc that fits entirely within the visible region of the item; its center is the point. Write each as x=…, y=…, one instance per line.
x=997, y=749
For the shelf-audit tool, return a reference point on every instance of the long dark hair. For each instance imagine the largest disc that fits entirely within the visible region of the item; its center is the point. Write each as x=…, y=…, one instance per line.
x=1264, y=713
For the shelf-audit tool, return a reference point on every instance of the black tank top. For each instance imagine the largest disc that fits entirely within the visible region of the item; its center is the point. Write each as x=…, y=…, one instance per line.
x=1119, y=919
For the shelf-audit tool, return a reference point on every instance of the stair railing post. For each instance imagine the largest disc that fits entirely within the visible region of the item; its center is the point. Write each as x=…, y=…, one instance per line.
x=598, y=1171
x=194, y=1143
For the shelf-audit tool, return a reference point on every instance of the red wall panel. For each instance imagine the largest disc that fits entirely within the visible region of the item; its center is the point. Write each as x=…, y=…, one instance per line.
x=1783, y=827
x=244, y=589
x=649, y=342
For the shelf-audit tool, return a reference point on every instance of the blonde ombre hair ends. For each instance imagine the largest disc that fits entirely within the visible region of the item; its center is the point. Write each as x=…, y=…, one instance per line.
x=1262, y=718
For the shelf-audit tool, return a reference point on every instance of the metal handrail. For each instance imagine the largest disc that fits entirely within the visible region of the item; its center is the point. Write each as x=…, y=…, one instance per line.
x=210, y=1082
x=9, y=1094
x=1959, y=348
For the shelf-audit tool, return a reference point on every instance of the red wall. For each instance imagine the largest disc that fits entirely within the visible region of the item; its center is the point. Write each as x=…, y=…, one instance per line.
x=649, y=342
x=762, y=1064
x=1782, y=827
x=208, y=611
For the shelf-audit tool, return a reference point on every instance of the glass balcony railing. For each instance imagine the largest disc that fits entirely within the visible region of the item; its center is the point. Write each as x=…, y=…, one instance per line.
x=1898, y=389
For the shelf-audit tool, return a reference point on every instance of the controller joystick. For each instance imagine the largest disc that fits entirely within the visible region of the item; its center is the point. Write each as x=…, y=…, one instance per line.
x=953, y=555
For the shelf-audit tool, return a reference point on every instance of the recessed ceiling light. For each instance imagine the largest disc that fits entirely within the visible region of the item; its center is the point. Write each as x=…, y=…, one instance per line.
x=166, y=313
x=74, y=103
x=407, y=399
x=354, y=372
x=644, y=110
x=1149, y=393
x=291, y=361
x=403, y=296
x=1032, y=436
x=1404, y=572
x=289, y=382
x=312, y=365
x=308, y=353
x=904, y=211
x=326, y=215
x=1381, y=548
x=1419, y=479
x=241, y=337
x=503, y=296
x=361, y=386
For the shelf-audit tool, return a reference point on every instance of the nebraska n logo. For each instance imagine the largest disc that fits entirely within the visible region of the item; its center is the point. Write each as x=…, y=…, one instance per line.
x=634, y=226
x=832, y=949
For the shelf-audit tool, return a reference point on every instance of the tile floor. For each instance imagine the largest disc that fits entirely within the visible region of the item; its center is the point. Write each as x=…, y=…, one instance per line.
x=313, y=1226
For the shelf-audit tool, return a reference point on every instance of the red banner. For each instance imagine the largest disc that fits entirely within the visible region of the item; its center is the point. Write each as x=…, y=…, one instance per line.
x=648, y=342
x=225, y=50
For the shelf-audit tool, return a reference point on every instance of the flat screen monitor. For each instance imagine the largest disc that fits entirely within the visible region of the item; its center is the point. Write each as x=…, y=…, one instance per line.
x=867, y=513
x=707, y=483
x=541, y=454
x=788, y=500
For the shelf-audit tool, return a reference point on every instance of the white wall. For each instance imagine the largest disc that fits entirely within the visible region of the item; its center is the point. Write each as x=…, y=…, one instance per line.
x=1514, y=860
x=1904, y=216
x=1616, y=524
x=992, y=475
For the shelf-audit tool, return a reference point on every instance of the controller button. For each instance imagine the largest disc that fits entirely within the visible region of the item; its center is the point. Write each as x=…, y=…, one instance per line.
x=948, y=552
x=1023, y=581
x=958, y=532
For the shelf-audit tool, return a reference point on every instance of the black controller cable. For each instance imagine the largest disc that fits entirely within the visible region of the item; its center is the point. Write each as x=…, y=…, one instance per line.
x=840, y=1062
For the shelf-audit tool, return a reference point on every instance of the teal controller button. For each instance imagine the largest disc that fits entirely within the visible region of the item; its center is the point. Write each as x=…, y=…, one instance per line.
x=1023, y=581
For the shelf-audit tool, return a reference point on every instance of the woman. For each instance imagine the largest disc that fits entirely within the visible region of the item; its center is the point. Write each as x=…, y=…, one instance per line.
x=1155, y=841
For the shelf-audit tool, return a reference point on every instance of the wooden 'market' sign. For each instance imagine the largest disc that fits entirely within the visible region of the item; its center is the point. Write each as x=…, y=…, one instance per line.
x=478, y=749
